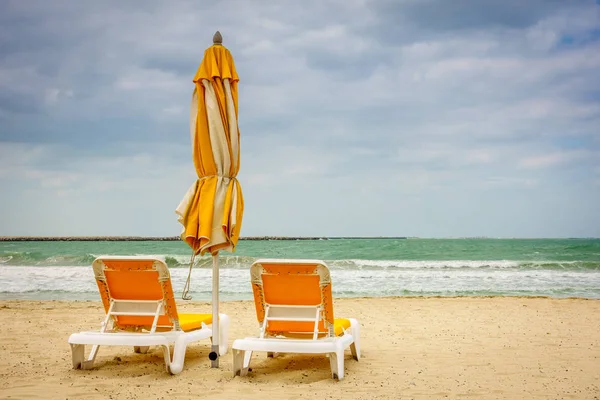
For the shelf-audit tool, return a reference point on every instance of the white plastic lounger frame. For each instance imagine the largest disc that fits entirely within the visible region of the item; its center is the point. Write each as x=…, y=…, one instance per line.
x=110, y=335
x=328, y=343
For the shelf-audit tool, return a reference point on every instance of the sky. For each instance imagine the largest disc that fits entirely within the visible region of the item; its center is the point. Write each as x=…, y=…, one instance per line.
x=429, y=118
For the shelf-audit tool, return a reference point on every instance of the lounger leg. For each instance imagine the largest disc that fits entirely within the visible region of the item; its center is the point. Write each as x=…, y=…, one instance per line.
x=241, y=362
x=336, y=361
x=89, y=363
x=355, y=331
x=223, y=334
x=141, y=349
x=247, y=358
x=179, y=350
x=78, y=353
x=272, y=354
x=238, y=359
x=167, y=357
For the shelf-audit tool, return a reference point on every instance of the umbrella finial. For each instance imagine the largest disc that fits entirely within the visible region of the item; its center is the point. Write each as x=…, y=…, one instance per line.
x=217, y=38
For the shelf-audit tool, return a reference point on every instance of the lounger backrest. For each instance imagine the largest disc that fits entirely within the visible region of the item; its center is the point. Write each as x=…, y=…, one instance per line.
x=136, y=279
x=292, y=283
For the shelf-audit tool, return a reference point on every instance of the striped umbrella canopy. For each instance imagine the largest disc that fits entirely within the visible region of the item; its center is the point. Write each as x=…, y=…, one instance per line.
x=212, y=209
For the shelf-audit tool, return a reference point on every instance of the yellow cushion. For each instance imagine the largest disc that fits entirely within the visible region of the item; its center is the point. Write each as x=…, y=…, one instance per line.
x=190, y=322
x=339, y=324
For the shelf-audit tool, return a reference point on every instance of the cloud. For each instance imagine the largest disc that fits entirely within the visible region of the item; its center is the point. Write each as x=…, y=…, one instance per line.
x=357, y=117
x=558, y=158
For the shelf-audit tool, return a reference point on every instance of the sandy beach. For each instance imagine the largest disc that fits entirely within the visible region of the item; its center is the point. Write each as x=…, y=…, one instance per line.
x=480, y=348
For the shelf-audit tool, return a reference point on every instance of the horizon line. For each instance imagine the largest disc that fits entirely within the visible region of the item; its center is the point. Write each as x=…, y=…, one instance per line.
x=176, y=238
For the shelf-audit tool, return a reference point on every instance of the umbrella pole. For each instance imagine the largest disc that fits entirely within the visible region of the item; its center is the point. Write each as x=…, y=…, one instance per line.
x=214, y=354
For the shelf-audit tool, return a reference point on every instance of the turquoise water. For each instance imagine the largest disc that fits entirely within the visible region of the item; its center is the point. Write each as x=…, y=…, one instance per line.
x=360, y=267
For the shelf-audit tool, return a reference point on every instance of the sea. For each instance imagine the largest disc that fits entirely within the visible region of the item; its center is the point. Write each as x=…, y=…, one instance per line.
x=559, y=268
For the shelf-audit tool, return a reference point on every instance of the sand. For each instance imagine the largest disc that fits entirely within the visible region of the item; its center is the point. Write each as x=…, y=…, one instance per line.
x=429, y=348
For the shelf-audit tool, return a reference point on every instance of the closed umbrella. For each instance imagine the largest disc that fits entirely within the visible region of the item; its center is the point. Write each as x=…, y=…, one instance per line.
x=212, y=209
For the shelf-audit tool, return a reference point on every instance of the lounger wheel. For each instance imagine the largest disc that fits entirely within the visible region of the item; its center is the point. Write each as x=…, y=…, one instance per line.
x=213, y=355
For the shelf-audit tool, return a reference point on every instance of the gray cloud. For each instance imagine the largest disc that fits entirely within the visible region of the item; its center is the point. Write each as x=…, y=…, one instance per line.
x=472, y=14
x=410, y=21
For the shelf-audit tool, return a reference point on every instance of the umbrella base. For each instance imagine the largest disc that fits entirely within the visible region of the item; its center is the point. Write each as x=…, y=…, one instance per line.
x=214, y=356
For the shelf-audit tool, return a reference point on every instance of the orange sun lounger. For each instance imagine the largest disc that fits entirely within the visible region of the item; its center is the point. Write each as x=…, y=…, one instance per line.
x=294, y=306
x=140, y=311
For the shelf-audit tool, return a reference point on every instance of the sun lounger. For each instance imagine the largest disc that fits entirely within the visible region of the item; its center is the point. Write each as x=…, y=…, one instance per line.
x=141, y=312
x=294, y=307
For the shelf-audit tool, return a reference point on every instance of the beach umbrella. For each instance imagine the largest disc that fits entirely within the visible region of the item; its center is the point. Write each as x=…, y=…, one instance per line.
x=211, y=210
